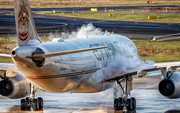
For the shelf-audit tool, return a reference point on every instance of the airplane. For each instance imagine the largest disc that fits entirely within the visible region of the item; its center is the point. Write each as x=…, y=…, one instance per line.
x=87, y=65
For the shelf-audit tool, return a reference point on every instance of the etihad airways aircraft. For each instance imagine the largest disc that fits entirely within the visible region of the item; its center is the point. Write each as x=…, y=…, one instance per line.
x=79, y=65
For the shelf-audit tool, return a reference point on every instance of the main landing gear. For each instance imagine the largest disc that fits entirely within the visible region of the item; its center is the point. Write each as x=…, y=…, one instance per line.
x=124, y=101
x=36, y=104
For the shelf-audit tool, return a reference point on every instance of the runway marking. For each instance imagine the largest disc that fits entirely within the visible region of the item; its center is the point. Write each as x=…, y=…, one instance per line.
x=78, y=110
x=152, y=84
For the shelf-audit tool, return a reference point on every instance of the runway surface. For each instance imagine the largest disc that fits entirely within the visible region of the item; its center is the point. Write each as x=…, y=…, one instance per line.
x=47, y=24
x=149, y=100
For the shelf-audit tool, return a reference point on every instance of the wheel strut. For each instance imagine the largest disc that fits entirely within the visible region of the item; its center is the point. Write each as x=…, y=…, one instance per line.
x=31, y=102
x=120, y=103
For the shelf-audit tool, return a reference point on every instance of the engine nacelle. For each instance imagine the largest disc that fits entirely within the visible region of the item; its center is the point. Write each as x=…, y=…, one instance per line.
x=15, y=87
x=170, y=88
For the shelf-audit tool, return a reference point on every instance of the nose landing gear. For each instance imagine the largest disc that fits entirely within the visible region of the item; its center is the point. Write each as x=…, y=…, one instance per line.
x=31, y=102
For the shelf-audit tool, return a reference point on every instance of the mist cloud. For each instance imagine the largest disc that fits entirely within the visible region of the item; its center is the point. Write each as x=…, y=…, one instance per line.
x=119, y=65
x=86, y=31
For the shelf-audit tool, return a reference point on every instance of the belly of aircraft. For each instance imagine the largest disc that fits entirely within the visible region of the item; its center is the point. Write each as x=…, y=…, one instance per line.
x=59, y=83
x=76, y=84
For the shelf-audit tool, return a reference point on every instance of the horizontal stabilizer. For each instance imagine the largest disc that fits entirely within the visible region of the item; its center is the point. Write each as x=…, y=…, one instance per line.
x=65, y=52
x=5, y=56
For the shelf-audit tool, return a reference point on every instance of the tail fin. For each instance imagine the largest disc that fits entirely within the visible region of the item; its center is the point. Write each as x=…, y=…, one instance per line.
x=25, y=27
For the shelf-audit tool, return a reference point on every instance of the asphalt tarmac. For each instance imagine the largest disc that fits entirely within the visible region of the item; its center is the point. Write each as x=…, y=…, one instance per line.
x=149, y=100
x=47, y=24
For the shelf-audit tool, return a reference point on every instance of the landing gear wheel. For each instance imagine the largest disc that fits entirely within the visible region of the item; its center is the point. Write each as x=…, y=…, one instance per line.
x=27, y=99
x=118, y=104
x=134, y=102
x=31, y=102
x=40, y=101
x=23, y=104
x=28, y=104
x=129, y=104
x=35, y=105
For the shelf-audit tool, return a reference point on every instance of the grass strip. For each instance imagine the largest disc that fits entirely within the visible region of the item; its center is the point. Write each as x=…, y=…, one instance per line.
x=157, y=51
x=88, y=3
x=161, y=18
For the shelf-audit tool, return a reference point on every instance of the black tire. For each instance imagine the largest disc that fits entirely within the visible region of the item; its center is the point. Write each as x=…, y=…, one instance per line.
x=116, y=104
x=23, y=104
x=130, y=104
x=134, y=102
x=27, y=103
x=120, y=104
x=40, y=101
x=27, y=99
x=35, y=105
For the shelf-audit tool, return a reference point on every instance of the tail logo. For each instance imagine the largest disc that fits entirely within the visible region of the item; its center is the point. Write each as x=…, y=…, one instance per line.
x=23, y=21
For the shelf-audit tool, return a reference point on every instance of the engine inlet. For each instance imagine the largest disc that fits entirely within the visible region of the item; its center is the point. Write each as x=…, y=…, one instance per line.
x=166, y=87
x=6, y=87
x=38, y=61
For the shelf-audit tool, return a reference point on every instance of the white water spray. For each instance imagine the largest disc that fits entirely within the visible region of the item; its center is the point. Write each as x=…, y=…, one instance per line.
x=114, y=67
x=119, y=65
x=86, y=31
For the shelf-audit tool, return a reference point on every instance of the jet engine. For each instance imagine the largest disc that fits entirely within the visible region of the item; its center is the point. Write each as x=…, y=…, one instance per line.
x=15, y=87
x=170, y=87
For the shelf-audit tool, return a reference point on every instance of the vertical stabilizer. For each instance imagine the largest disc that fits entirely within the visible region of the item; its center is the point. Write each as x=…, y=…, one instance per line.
x=25, y=27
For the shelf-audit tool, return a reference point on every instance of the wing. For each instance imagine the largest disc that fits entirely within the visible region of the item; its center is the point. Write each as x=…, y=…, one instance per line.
x=144, y=70
x=8, y=67
x=167, y=64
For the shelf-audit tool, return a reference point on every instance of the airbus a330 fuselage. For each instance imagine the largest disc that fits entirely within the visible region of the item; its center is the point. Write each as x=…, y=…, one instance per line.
x=78, y=72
